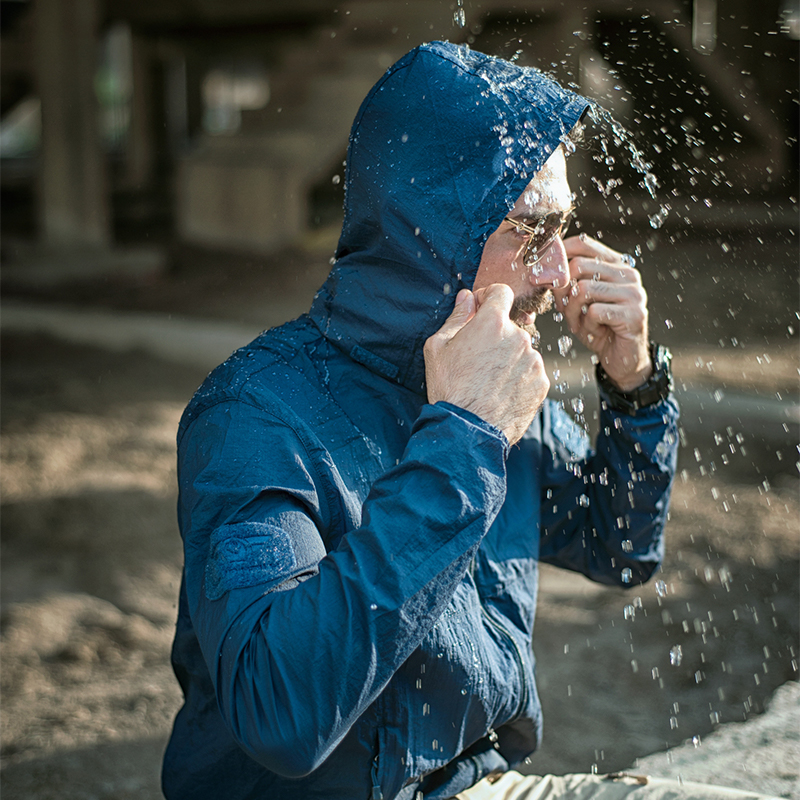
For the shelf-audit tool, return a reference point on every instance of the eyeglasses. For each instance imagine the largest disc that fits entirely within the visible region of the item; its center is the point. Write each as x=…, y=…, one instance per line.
x=542, y=234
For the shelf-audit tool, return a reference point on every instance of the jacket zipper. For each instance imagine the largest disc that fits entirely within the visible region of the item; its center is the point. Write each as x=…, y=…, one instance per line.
x=515, y=644
x=377, y=793
x=520, y=661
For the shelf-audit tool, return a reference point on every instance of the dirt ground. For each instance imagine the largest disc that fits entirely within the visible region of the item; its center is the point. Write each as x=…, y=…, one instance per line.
x=91, y=555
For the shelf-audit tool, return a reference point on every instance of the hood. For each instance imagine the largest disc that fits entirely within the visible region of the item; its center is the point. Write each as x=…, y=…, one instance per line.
x=440, y=150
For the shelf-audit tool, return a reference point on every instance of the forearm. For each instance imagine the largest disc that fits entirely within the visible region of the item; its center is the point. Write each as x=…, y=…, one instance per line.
x=606, y=519
x=300, y=664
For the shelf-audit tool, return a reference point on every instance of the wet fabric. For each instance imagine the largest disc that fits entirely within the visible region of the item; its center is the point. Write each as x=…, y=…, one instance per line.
x=513, y=786
x=357, y=605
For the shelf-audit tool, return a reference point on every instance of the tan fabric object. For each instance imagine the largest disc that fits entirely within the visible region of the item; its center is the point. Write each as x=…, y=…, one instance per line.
x=621, y=786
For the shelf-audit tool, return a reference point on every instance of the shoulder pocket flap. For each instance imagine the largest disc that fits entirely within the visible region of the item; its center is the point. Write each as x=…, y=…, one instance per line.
x=253, y=553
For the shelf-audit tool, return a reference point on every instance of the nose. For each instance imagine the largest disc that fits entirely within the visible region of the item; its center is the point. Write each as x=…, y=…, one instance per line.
x=552, y=268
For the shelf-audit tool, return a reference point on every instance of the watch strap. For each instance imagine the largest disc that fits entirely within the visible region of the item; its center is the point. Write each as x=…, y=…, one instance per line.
x=655, y=389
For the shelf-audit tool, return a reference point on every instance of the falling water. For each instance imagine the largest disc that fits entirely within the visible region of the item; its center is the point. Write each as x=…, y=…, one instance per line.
x=460, y=17
x=622, y=137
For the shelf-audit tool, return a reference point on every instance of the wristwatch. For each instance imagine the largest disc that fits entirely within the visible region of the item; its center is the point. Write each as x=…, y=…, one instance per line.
x=656, y=388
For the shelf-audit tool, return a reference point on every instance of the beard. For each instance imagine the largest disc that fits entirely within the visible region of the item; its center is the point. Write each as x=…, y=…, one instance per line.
x=537, y=302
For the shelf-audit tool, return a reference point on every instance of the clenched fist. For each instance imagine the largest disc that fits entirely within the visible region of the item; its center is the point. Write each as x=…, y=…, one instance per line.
x=481, y=361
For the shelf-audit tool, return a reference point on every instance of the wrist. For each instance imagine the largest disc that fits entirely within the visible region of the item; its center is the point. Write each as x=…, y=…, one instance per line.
x=633, y=380
x=655, y=386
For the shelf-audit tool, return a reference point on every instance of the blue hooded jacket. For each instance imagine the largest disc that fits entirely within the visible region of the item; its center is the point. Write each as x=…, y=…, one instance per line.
x=356, y=612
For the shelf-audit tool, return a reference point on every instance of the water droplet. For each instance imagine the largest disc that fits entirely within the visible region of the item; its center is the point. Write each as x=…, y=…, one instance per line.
x=629, y=612
x=696, y=741
x=577, y=405
x=627, y=546
x=583, y=501
x=373, y=607
x=335, y=180
x=627, y=575
x=676, y=656
x=659, y=218
x=564, y=345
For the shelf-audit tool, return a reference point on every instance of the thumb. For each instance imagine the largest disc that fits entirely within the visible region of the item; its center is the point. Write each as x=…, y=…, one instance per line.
x=498, y=296
x=460, y=315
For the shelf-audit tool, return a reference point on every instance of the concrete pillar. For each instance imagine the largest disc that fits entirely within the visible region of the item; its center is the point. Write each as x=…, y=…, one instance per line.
x=73, y=191
x=140, y=155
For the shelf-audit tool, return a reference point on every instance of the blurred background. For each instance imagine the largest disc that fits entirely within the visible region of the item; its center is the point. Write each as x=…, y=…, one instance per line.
x=171, y=183
x=223, y=123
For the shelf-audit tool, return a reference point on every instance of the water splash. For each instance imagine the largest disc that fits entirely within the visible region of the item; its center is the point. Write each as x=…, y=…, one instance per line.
x=622, y=137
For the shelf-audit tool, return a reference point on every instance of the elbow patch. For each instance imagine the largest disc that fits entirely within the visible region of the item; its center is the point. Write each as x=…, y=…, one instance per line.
x=245, y=554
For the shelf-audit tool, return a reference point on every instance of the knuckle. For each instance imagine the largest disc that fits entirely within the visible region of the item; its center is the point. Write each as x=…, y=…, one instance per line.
x=433, y=344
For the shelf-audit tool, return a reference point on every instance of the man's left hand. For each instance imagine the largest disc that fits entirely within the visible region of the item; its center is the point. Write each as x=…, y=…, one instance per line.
x=605, y=305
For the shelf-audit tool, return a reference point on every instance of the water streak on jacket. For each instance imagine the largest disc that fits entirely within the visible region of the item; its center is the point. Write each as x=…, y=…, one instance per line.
x=357, y=608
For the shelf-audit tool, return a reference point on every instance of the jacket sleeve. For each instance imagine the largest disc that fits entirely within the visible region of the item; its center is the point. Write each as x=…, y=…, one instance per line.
x=300, y=641
x=603, y=512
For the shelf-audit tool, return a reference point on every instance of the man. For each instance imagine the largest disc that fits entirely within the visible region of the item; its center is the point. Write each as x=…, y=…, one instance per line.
x=365, y=492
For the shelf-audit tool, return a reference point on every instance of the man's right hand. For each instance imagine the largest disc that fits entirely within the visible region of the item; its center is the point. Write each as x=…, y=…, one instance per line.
x=481, y=361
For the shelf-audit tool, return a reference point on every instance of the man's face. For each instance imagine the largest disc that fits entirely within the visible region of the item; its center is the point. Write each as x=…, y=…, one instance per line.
x=502, y=259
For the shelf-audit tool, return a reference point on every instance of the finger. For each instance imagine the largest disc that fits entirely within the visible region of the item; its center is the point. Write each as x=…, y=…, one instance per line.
x=461, y=314
x=581, y=267
x=585, y=245
x=619, y=317
x=631, y=300
x=497, y=296
x=593, y=291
